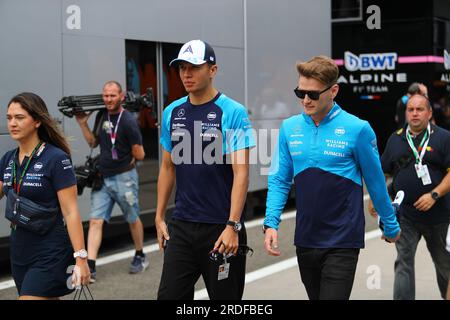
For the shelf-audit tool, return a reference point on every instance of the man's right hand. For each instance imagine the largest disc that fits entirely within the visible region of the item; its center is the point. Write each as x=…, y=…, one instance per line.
x=162, y=233
x=82, y=117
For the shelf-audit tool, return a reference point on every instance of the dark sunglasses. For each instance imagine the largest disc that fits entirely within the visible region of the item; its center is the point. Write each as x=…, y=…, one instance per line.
x=313, y=95
x=242, y=250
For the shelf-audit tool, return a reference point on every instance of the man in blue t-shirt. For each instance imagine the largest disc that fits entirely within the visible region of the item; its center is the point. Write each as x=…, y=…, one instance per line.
x=417, y=157
x=120, y=143
x=326, y=151
x=206, y=138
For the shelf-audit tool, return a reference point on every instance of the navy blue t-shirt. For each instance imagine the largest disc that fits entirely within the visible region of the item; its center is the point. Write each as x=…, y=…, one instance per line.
x=49, y=171
x=128, y=134
x=437, y=159
x=200, y=137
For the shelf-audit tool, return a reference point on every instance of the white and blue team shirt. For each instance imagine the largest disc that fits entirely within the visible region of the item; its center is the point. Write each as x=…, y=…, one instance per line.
x=49, y=171
x=200, y=138
x=327, y=163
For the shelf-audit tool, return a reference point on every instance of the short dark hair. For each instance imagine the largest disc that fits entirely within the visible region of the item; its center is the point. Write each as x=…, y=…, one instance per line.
x=414, y=88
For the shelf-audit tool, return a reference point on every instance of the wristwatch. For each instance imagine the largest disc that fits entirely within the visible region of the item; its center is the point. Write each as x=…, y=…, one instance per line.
x=434, y=195
x=237, y=226
x=264, y=228
x=80, y=254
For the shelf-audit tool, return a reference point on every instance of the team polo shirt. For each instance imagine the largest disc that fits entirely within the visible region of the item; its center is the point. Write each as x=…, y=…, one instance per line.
x=128, y=134
x=200, y=139
x=327, y=163
x=398, y=160
x=49, y=171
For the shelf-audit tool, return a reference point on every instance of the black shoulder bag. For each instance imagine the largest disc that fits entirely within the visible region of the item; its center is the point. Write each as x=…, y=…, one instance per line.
x=24, y=212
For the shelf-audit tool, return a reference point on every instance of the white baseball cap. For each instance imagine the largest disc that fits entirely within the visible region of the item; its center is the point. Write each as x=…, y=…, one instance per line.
x=196, y=52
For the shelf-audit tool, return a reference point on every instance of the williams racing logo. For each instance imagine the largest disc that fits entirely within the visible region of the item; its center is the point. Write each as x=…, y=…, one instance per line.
x=340, y=131
x=38, y=166
x=211, y=116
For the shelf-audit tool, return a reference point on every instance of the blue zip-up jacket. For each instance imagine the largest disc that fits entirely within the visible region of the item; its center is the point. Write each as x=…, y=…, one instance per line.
x=326, y=163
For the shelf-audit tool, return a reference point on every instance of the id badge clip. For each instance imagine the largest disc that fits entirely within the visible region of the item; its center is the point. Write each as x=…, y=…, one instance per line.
x=426, y=178
x=114, y=153
x=419, y=170
x=224, y=269
x=423, y=173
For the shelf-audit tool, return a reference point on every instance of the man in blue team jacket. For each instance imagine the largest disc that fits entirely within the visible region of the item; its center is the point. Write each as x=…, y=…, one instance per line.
x=326, y=151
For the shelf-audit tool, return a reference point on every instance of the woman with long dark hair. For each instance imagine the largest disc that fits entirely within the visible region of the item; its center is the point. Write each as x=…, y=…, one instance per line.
x=39, y=183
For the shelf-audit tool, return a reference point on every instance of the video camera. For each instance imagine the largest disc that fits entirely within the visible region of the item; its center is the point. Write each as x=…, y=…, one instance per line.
x=88, y=175
x=71, y=105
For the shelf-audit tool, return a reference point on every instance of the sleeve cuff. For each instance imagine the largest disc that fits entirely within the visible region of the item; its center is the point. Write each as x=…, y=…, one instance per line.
x=391, y=232
x=271, y=223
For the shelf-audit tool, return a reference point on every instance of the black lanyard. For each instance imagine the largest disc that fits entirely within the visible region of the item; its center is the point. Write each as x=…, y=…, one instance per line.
x=16, y=186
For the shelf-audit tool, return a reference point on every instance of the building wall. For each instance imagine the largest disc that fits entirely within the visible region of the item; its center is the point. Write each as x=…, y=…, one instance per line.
x=71, y=47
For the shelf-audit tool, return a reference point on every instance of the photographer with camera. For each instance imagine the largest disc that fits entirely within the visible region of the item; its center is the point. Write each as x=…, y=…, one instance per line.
x=38, y=181
x=120, y=143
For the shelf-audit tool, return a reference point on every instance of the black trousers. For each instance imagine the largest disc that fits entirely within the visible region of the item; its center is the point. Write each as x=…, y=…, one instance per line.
x=328, y=274
x=186, y=258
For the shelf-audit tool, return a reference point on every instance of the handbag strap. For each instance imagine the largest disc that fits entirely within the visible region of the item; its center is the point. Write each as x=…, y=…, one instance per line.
x=82, y=291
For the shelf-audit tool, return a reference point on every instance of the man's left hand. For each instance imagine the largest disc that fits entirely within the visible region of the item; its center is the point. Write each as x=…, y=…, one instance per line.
x=425, y=202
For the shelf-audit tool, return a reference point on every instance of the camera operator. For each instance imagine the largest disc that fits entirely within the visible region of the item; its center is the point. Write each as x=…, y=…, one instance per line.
x=120, y=143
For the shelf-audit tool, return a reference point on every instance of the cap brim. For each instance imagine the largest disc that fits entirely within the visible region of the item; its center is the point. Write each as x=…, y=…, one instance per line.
x=175, y=62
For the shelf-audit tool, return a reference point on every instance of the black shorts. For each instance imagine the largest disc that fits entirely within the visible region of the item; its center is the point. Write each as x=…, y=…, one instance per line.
x=39, y=264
